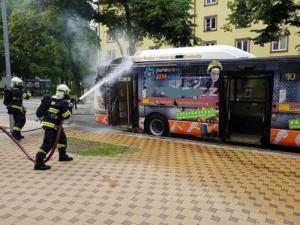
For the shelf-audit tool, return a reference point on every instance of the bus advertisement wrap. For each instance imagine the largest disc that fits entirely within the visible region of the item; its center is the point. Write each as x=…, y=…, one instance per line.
x=238, y=99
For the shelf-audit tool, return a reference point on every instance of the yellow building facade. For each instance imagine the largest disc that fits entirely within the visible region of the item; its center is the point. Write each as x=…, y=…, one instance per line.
x=210, y=17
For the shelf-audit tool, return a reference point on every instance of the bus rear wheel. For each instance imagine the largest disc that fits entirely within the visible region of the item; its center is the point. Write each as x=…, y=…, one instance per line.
x=157, y=126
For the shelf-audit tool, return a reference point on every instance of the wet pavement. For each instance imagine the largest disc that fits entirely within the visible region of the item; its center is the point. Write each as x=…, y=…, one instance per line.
x=167, y=181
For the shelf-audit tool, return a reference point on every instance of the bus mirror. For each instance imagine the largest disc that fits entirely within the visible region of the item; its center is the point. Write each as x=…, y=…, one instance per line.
x=175, y=103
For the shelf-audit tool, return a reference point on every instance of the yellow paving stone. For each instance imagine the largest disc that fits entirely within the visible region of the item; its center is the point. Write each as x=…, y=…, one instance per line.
x=68, y=215
x=100, y=218
x=123, y=209
x=219, y=181
x=6, y=211
x=154, y=220
x=222, y=222
x=80, y=223
x=35, y=213
x=155, y=211
x=172, y=220
x=171, y=211
x=205, y=221
x=19, y=212
x=140, y=211
x=27, y=220
x=50, y=215
x=121, y=217
x=224, y=215
x=74, y=207
x=45, y=222
x=137, y=219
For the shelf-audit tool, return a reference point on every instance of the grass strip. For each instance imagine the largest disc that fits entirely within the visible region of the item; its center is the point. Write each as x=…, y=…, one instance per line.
x=92, y=148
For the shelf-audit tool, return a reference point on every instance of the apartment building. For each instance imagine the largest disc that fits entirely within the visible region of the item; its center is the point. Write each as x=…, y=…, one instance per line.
x=210, y=17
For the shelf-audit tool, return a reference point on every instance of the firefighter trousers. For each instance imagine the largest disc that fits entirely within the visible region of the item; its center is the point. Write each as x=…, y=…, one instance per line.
x=49, y=139
x=19, y=122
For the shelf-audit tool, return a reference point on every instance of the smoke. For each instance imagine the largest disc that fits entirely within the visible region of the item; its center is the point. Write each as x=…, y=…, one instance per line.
x=85, y=48
x=112, y=77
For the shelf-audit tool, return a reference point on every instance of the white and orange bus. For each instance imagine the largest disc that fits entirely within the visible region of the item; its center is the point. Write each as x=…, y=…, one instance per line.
x=213, y=92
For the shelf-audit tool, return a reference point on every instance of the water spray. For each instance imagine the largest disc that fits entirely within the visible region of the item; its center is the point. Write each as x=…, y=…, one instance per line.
x=120, y=70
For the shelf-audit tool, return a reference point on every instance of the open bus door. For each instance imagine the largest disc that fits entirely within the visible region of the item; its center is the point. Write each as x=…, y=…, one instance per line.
x=122, y=96
x=247, y=108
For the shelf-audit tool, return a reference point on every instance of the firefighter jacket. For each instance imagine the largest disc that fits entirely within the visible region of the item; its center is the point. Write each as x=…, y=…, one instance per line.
x=16, y=101
x=52, y=110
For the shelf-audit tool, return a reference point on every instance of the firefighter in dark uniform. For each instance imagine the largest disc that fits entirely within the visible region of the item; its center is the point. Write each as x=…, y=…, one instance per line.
x=13, y=99
x=52, y=110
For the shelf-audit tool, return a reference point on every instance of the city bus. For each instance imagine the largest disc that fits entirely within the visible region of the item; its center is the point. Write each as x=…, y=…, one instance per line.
x=215, y=92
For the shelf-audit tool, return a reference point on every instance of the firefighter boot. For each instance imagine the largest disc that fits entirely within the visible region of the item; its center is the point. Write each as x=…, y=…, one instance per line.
x=16, y=135
x=40, y=165
x=63, y=156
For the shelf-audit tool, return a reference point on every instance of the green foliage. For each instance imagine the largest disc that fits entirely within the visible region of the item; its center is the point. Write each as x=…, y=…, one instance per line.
x=105, y=150
x=164, y=21
x=275, y=15
x=33, y=51
x=51, y=39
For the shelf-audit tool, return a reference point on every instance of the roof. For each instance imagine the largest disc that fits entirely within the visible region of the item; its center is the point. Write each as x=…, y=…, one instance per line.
x=214, y=52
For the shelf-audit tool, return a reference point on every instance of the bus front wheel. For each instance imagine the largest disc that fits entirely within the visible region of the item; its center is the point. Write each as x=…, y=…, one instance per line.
x=157, y=126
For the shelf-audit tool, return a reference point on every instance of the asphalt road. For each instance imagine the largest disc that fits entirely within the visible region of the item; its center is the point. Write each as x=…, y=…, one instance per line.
x=82, y=118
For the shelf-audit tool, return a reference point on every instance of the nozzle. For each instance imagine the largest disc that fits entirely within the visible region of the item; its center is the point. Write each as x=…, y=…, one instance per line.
x=74, y=101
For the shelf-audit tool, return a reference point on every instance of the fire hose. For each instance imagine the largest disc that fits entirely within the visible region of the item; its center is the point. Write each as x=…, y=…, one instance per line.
x=50, y=154
x=26, y=153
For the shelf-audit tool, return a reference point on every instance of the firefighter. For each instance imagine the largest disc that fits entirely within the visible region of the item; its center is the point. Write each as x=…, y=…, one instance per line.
x=52, y=110
x=13, y=99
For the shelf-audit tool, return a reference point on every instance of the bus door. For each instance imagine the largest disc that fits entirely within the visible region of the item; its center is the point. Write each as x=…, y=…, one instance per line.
x=247, y=108
x=121, y=103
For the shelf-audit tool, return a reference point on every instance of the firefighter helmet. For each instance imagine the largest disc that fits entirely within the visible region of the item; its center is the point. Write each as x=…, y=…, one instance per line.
x=62, y=90
x=16, y=82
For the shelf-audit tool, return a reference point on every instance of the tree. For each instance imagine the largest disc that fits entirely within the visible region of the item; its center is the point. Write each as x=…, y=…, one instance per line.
x=164, y=21
x=33, y=51
x=52, y=39
x=70, y=26
x=277, y=16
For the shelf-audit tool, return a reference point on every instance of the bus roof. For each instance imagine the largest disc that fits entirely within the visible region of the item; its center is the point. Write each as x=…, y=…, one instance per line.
x=214, y=52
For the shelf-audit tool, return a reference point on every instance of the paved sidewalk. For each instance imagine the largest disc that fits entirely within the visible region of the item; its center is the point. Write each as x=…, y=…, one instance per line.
x=168, y=181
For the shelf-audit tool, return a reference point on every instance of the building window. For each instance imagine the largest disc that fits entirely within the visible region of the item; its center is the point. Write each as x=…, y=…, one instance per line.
x=111, y=55
x=110, y=37
x=243, y=44
x=209, y=43
x=210, y=23
x=280, y=45
x=210, y=2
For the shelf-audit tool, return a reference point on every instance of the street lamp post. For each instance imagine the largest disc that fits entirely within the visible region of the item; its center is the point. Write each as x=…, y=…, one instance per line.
x=97, y=2
x=7, y=57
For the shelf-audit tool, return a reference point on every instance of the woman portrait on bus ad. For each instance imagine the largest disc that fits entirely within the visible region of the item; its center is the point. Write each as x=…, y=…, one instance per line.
x=213, y=84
